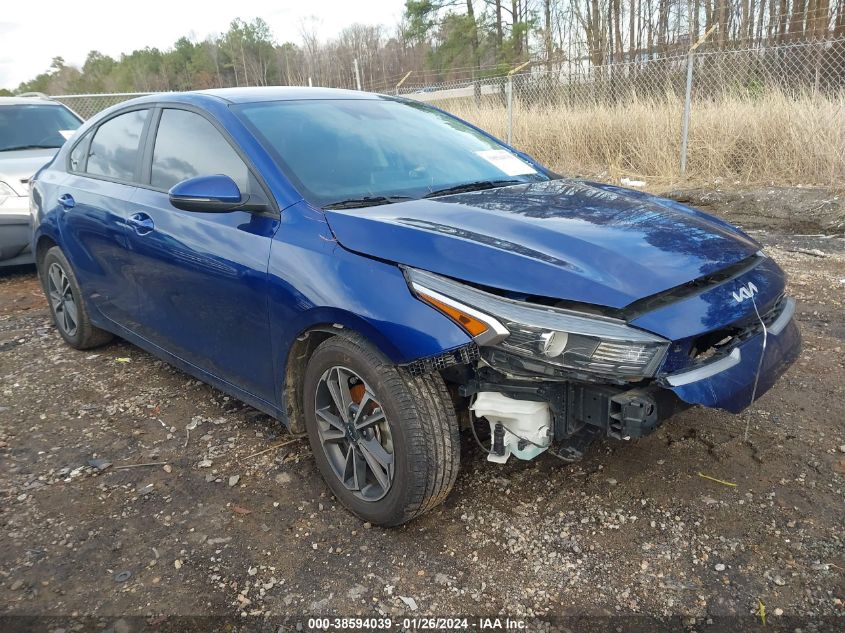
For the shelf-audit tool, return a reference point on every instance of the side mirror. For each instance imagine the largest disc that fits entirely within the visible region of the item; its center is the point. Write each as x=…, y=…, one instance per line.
x=211, y=194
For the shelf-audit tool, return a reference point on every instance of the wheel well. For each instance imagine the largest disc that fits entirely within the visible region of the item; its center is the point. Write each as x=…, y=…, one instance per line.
x=44, y=244
x=300, y=352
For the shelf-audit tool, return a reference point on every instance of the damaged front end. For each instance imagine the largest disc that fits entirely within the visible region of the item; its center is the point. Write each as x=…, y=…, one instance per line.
x=529, y=417
x=552, y=378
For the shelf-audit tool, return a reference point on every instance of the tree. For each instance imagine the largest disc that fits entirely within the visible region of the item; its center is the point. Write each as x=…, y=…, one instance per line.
x=58, y=79
x=441, y=40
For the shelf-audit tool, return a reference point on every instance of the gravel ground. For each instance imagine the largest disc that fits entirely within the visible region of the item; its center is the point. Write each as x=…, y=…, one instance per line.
x=129, y=488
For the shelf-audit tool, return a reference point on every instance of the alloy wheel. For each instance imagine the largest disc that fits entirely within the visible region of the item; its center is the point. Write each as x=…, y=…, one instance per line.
x=354, y=433
x=62, y=300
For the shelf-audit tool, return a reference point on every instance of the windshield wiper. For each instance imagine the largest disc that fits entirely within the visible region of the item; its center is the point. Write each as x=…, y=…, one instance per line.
x=367, y=201
x=14, y=148
x=471, y=186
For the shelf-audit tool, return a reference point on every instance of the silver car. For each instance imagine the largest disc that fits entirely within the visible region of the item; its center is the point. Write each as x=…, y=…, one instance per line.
x=32, y=129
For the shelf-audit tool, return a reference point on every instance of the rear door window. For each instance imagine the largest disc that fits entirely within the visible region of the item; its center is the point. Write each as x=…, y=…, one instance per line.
x=114, y=149
x=188, y=145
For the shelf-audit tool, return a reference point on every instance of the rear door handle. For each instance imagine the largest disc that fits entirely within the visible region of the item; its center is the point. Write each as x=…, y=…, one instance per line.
x=141, y=222
x=67, y=201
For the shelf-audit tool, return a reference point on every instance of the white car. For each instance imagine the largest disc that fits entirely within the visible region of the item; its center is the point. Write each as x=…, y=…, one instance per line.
x=32, y=129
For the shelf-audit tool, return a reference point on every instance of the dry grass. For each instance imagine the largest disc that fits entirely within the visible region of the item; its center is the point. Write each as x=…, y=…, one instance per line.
x=736, y=140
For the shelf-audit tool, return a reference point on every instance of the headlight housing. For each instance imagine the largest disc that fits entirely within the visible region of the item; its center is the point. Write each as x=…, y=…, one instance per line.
x=553, y=336
x=6, y=192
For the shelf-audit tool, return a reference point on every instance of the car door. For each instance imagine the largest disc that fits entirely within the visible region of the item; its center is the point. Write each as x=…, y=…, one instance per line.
x=202, y=277
x=103, y=171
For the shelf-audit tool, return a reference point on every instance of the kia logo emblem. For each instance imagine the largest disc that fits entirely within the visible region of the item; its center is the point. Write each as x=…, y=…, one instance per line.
x=746, y=292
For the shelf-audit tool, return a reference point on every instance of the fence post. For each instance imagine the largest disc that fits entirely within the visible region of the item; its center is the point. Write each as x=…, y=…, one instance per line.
x=817, y=81
x=401, y=81
x=685, y=120
x=688, y=99
x=509, y=90
x=357, y=73
x=510, y=98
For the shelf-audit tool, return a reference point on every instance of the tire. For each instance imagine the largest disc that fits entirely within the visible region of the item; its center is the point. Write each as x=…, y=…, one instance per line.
x=70, y=314
x=417, y=429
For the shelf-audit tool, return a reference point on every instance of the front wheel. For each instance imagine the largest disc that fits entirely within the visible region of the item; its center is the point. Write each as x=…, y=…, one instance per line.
x=386, y=442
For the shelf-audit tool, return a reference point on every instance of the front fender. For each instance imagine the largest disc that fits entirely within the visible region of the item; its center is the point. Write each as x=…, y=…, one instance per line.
x=313, y=281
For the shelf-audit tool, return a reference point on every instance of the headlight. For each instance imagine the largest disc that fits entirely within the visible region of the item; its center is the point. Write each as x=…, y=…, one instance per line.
x=6, y=192
x=554, y=336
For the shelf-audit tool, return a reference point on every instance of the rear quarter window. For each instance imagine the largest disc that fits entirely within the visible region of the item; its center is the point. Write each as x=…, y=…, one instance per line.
x=114, y=148
x=76, y=161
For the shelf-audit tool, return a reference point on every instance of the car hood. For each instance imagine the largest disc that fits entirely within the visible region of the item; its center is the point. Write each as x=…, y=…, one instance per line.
x=16, y=168
x=563, y=239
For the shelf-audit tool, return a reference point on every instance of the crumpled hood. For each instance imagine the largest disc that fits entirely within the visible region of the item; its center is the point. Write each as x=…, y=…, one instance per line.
x=16, y=168
x=563, y=239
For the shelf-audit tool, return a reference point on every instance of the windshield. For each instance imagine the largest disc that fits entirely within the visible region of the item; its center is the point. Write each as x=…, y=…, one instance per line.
x=359, y=152
x=35, y=126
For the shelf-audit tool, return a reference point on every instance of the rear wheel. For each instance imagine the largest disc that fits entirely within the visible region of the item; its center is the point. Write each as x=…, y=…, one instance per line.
x=65, y=297
x=386, y=442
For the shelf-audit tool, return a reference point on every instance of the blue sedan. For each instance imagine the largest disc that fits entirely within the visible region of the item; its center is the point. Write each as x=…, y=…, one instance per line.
x=379, y=273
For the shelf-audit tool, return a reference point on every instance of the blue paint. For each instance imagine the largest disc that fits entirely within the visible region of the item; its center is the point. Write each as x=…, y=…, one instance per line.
x=562, y=239
x=716, y=308
x=217, y=188
x=732, y=389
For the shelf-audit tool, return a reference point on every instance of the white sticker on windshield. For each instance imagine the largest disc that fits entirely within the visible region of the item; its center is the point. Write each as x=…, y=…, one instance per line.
x=507, y=162
x=67, y=133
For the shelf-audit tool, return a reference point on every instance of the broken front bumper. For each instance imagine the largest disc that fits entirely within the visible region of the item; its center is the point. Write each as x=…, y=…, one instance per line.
x=733, y=381
x=582, y=411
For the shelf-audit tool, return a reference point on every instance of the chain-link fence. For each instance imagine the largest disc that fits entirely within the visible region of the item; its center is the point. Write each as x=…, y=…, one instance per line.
x=755, y=114
x=793, y=69
x=87, y=106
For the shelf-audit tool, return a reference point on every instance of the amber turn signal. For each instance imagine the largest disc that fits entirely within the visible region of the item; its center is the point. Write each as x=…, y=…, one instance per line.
x=469, y=323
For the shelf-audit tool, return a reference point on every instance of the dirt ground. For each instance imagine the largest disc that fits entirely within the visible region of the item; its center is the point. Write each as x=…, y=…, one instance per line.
x=793, y=210
x=130, y=489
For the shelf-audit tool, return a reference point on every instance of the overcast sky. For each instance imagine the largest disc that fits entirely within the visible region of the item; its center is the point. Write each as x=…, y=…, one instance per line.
x=32, y=34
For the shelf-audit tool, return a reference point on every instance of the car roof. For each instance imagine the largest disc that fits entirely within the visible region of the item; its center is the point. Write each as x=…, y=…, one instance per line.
x=285, y=93
x=269, y=93
x=10, y=101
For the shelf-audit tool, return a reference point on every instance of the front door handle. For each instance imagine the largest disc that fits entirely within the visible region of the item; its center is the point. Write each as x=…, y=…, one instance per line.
x=141, y=222
x=67, y=201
